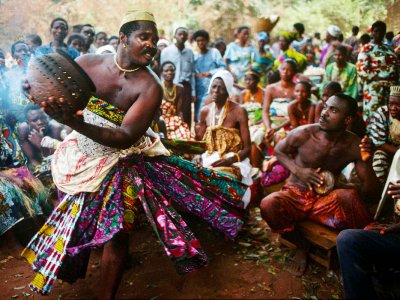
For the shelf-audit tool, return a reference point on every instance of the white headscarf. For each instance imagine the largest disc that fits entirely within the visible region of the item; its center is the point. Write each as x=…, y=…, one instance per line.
x=163, y=41
x=334, y=31
x=104, y=48
x=227, y=78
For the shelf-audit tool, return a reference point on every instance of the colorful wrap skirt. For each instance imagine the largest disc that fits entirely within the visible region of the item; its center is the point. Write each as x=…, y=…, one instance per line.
x=88, y=220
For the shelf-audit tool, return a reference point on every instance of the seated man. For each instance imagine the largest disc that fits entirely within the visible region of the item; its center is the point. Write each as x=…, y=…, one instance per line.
x=326, y=146
x=38, y=136
x=361, y=251
x=224, y=126
x=384, y=131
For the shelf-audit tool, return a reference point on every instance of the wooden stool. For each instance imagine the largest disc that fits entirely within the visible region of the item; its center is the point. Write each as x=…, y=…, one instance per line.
x=323, y=241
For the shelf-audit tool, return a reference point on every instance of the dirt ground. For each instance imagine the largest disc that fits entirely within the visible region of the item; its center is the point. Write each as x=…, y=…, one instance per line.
x=252, y=267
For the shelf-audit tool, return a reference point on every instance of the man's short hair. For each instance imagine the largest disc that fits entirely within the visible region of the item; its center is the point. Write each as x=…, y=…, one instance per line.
x=87, y=25
x=299, y=27
x=75, y=36
x=218, y=43
x=342, y=49
x=30, y=107
x=113, y=37
x=379, y=24
x=77, y=28
x=355, y=29
x=334, y=87
x=14, y=45
x=58, y=19
x=389, y=36
x=181, y=28
x=365, y=38
x=167, y=63
x=34, y=38
x=99, y=33
x=352, y=106
x=201, y=33
x=242, y=27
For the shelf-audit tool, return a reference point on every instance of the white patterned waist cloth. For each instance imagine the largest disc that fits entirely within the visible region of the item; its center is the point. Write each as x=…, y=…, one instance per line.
x=80, y=164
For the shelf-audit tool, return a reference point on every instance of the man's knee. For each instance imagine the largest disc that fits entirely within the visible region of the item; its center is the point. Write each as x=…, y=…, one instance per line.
x=269, y=206
x=349, y=239
x=346, y=194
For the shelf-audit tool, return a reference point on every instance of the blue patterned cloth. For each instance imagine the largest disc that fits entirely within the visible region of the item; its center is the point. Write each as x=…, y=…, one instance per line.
x=210, y=62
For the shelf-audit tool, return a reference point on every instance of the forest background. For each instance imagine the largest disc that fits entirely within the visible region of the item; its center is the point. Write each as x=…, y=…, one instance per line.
x=21, y=17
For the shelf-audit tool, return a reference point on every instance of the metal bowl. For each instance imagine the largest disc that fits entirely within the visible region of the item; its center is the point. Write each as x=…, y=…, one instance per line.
x=328, y=184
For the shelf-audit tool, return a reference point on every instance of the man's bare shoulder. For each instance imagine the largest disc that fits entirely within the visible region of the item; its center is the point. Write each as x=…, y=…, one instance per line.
x=236, y=107
x=90, y=60
x=351, y=138
x=305, y=132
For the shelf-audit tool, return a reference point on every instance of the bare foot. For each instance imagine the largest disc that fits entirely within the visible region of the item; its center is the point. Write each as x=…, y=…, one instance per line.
x=297, y=264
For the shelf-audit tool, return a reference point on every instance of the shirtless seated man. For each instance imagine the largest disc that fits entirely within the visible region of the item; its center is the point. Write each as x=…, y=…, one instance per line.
x=326, y=146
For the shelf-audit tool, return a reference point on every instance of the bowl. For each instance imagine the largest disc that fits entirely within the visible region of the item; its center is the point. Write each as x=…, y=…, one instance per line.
x=59, y=76
x=328, y=184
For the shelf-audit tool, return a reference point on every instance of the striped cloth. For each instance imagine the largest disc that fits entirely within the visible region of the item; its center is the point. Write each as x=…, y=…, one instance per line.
x=383, y=129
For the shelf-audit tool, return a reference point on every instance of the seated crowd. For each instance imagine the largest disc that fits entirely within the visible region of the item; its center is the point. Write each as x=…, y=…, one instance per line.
x=261, y=115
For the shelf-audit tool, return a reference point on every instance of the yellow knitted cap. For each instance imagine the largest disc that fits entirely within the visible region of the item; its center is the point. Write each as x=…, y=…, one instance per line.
x=137, y=15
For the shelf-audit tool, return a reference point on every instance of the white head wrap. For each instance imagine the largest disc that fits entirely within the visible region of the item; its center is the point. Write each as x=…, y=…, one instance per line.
x=227, y=78
x=163, y=41
x=104, y=48
x=334, y=31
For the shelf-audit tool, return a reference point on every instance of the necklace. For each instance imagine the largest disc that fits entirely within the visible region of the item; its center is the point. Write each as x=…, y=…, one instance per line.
x=216, y=118
x=122, y=69
x=169, y=94
x=303, y=113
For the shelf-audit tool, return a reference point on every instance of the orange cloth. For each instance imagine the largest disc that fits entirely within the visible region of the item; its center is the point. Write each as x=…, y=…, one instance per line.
x=257, y=97
x=340, y=209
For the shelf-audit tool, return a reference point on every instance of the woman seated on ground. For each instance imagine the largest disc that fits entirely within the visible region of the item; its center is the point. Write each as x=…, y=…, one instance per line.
x=21, y=194
x=172, y=105
x=301, y=111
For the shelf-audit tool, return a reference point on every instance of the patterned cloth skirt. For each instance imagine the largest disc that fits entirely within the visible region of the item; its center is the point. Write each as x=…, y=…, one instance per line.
x=88, y=220
x=21, y=196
